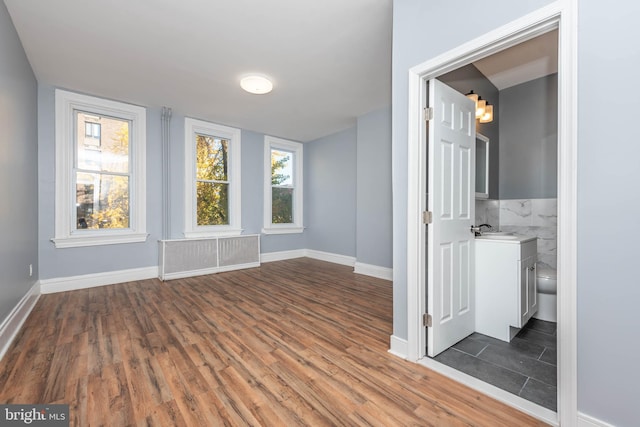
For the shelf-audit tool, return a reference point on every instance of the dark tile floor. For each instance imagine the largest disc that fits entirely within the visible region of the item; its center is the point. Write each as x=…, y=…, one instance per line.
x=525, y=367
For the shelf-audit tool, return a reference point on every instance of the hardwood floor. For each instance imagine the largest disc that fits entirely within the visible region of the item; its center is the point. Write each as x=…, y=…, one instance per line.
x=298, y=342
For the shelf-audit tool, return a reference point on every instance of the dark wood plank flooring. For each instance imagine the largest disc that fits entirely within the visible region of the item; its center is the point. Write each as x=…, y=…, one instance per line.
x=292, y=343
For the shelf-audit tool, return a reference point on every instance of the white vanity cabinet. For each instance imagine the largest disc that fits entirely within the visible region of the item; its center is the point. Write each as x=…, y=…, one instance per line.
x=506, y=291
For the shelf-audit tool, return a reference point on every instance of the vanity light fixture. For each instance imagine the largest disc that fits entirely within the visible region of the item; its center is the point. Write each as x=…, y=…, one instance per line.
x=487, y=117
x=480, y=107
x=256, y=84
x=484, y=111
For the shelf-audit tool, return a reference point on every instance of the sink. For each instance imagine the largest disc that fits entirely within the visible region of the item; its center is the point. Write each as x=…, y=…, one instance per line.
x=498, y=237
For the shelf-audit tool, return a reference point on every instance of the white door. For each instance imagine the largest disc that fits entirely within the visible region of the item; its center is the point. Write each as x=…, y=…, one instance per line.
x=451, y=245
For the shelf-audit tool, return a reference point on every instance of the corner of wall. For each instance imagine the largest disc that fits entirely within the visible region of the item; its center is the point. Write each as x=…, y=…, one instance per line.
x=11, y=325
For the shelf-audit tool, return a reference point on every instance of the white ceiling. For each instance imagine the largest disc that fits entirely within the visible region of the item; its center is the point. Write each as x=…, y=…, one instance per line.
x=527, y=61
x=329, y=60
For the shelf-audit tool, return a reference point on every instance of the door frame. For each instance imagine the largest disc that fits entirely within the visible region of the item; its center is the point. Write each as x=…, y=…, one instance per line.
x=561, y=15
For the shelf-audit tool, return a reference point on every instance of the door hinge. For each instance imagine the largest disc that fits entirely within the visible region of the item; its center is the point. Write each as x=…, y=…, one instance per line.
x=426, y=320
x=428, y=113
x=427, y=217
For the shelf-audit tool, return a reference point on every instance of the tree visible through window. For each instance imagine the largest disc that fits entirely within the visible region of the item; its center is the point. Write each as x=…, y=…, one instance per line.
x=212, y=180
x=212, y=198
x=282, y=187
x=102, y=173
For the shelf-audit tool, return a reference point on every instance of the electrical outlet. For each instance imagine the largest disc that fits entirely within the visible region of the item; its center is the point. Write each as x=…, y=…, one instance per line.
x=30, y=270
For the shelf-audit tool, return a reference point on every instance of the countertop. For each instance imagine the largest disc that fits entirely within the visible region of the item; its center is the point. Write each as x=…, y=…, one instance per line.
x=516, y=240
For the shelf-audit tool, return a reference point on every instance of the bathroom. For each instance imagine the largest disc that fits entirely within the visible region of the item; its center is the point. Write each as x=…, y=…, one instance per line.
x=527, y=200
x=521, y=198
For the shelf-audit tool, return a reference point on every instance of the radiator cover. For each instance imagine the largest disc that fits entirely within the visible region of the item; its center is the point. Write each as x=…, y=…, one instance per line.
x=194, y=257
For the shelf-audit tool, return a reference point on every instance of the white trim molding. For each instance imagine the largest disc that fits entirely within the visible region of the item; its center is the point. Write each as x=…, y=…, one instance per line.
x=329, y=257
x=398, y=346
x=562, y=15
x=373, y=271
x=66, y=234
x=233, y=135
x=297, y=185
x=512, y=400
x=13, y=322
x=358, y=268
x=72, y=283
x=585, y=420
x=282, y=255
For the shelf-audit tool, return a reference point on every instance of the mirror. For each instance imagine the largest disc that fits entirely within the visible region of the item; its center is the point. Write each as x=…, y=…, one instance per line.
x=482, y=166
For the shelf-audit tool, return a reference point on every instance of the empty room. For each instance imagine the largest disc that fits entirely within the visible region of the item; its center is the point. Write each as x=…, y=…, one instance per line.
x=364, y=212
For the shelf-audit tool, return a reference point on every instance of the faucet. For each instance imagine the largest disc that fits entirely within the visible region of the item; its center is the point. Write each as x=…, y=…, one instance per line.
x=477, y=230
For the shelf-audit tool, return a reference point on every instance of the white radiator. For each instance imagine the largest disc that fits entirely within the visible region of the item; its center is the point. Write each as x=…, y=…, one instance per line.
x=195, y=257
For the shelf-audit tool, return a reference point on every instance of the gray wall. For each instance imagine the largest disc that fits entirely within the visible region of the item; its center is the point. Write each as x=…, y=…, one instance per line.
x=330, y=193
x=252, y=148
x=470, y=78
x=252, y=197
x=607, y=173
x=415, y=22
x=55, y=263
x=330, y=166
x=67, y=262
x=374, y=220
x=18, y=169
x=529, y=140
x=608, y=211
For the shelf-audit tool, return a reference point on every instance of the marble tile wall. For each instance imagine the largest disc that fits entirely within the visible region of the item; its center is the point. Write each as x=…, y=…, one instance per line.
x=527, y=217
x=534, y=217
x=488, y=212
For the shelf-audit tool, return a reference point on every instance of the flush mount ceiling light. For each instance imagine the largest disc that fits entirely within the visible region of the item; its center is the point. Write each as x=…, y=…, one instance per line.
x=484, y=111
x=255, y=84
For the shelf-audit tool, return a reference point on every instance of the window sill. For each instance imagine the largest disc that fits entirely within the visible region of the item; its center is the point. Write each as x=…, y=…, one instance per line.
x=112, y=239
x=221, y=233
x=282, y=230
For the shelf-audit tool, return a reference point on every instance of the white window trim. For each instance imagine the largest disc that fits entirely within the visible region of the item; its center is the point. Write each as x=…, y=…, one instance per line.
x=191, y=227
x=66, y=236
x=271, y=142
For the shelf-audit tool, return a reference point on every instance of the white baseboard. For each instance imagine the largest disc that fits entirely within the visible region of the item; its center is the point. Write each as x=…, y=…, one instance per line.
x=62, y=284
x=530, y=408
x=373, y=271
x=359, y=268
x=14, y=321
x=585, y=420
x=398, y=347
x=283, y=255
x=84, y=281
x=329, y=257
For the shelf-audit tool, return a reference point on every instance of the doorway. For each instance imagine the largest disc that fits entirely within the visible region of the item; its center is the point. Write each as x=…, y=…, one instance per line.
x=518, y=196
x=517, y=32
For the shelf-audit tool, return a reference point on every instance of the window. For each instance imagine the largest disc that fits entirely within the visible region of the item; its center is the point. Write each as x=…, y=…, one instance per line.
x=283, y=186
x=212, y=167
x=92, y=130
x=100, y=171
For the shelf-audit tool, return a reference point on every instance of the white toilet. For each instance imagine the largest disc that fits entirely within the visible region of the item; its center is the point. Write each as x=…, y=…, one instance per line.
x=547, y=298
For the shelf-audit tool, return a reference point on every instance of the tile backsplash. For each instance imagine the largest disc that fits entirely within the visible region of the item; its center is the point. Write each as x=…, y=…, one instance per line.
x=526, y=217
